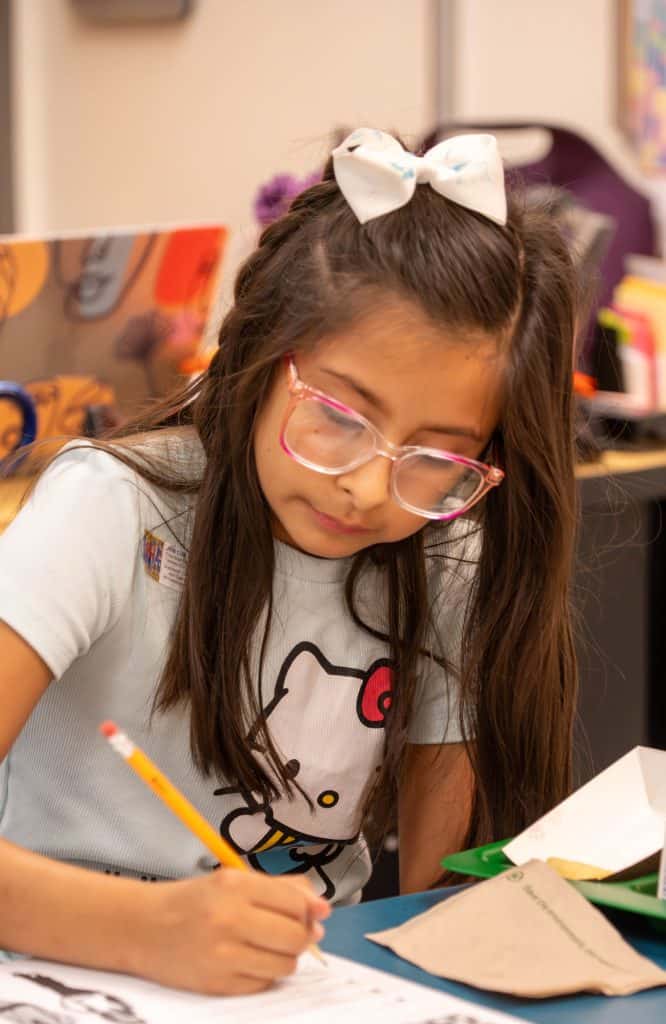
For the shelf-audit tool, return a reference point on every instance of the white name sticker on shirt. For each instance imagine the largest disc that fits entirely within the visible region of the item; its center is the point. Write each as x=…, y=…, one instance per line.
x=164, y=562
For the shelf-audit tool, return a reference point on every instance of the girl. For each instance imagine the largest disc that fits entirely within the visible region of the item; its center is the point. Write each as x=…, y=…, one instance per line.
x=330, y=573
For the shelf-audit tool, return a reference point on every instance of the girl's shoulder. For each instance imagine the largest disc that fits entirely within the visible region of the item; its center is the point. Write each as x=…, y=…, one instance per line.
x=152, y=477
x=175, y=453
x=162, y=459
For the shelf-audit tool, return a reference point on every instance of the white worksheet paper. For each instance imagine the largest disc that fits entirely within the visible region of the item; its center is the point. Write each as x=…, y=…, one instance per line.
x=38, y=992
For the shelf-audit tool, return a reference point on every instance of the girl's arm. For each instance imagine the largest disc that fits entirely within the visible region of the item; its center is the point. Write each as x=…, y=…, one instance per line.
x=434, y=807
x=23, y=679
x=225, y=933
x=44, y=903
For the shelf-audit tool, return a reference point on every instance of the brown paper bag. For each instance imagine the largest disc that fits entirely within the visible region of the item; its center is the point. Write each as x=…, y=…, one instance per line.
x=526, y=932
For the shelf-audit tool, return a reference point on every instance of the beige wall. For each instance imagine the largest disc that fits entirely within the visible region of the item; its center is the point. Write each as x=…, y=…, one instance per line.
x=119, y=125
x=551, y=60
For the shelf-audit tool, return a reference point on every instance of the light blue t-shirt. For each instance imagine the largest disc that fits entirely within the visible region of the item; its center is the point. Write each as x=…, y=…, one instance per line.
x=90, y=577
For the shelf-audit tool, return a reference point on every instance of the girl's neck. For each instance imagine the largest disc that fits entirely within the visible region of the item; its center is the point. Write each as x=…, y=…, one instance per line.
x=290, y=561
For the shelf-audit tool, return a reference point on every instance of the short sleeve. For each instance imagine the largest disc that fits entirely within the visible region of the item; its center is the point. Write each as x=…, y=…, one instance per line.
x=435, y=714
x=68, y=558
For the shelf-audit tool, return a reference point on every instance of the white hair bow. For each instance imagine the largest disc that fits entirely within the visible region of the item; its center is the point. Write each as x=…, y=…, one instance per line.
x=376, y=175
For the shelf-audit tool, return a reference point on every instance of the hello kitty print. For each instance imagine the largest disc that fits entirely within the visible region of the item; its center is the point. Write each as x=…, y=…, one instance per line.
x=327, y=721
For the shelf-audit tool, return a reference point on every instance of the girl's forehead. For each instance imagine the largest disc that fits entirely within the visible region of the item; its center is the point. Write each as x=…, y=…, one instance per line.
x=402, y=336
x=406, y=362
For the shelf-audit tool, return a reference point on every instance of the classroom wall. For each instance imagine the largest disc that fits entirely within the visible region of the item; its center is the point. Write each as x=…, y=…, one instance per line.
x=118, y=124
x=532, y=59
x=521, y=59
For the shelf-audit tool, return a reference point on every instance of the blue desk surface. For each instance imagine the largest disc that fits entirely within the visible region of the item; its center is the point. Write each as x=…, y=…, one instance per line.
x=347, y=926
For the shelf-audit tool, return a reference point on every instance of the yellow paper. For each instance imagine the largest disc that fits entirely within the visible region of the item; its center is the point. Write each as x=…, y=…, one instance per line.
x=577, y=872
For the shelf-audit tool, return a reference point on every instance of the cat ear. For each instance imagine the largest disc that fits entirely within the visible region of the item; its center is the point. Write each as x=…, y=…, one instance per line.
x=301, y=670
x=375, y=695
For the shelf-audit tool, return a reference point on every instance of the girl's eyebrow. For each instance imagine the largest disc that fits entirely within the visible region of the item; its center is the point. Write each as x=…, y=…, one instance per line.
x=364, y=392
x=453, y=431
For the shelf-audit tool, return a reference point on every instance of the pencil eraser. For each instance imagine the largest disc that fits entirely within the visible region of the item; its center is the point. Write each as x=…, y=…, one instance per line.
x=108, y=729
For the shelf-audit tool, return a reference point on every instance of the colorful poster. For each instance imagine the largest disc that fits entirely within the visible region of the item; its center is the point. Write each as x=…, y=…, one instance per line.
x=102, y=322
x=642, y=101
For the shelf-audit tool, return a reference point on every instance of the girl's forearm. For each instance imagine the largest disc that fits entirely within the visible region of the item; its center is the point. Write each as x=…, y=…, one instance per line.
x=224, y=933
x=56, y=911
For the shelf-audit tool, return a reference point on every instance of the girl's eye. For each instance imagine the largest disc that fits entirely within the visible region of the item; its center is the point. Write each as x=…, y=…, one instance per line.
x=341, y=419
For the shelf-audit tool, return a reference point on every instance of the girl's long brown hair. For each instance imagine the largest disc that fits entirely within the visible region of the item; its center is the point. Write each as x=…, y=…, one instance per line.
x=315, y=271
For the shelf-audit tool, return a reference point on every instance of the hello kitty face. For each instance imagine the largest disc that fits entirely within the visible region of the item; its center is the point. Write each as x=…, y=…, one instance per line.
x=327, y=722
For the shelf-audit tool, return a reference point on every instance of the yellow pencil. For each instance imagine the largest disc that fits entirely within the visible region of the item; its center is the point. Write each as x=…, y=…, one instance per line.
x=179, y=804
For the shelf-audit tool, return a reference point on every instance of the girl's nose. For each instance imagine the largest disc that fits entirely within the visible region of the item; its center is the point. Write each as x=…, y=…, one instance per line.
x=369, y=485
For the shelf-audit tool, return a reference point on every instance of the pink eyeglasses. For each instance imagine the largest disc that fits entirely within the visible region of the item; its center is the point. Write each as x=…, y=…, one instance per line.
x=321, y=433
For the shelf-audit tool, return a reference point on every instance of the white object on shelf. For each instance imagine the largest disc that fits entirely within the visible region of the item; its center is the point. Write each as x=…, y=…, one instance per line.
x=613, y=822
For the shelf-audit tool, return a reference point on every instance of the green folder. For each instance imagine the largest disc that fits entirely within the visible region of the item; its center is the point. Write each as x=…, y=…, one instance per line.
x=638, y=896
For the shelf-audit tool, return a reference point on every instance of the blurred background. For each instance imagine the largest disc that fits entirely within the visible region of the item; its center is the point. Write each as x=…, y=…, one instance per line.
x=119, y=112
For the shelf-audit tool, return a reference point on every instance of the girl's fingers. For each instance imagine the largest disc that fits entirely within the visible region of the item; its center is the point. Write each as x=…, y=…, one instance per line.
x=275, y=933
x=264, y=966
x=287, y=898
x=244, y=985
x=319, y=907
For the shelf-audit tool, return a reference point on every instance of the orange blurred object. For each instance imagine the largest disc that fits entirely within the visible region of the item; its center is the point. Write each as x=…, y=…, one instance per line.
x=584, y=385
x=186, y=275
x=197, y=363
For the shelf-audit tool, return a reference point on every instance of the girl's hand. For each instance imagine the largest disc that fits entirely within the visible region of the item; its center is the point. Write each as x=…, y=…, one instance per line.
x=229, y=933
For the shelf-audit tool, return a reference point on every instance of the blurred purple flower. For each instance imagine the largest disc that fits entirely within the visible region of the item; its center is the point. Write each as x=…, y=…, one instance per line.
x=274, y=198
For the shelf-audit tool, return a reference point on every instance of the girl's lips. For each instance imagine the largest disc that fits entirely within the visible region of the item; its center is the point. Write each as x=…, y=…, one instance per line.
x=336, y=525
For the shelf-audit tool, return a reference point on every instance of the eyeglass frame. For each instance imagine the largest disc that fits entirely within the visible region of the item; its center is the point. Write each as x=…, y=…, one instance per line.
x=491, y=476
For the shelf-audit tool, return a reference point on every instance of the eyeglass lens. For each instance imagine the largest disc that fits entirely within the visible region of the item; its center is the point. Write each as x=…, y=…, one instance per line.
x=330, y=439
